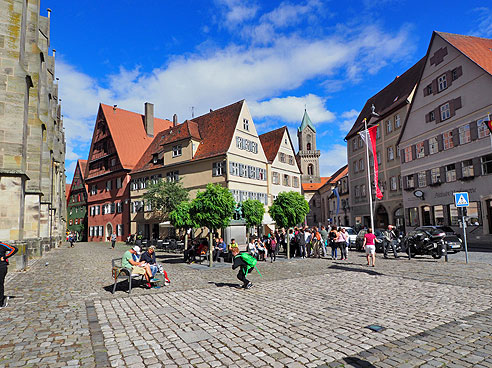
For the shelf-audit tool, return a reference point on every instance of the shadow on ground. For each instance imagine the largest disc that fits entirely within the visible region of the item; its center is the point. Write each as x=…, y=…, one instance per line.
x=355, y=269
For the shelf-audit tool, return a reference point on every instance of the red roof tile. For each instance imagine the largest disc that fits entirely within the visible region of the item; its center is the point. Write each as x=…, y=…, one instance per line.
x=390, y=97
x=477, y=49
x=337, y=175
x=214, y=130
x=128, y=133
x=67, y=190
x=307, y=187
x=271, y=142
x=83, y=167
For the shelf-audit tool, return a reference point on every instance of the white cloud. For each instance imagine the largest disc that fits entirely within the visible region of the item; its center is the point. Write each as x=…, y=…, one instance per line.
x=484, y=22
x=332, y=159
x=290, y=109
x=237, y=11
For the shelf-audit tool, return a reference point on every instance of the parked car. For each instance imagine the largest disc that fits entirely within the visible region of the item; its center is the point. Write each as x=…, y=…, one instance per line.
x=359, y=240
x=352, y=236
x=452, y=240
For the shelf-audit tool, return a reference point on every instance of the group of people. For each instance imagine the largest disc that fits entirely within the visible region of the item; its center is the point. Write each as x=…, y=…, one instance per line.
x=143, y=263
x=309, y=242
x=268, y=246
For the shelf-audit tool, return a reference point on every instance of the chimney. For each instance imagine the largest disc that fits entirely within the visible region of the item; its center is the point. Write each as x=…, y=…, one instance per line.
x=149, y=119
x=175, y=120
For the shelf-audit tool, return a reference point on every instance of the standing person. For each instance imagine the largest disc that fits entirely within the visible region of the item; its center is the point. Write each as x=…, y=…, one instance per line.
x=316, y=241
x=301, y=243
x=272, y=249
x=370, y=247
x=6, y=251
x=324, y=239
x=389, y=241
x=308, y=238
x=333, y=235
x=71, y=239
x=113, y=240
x=342, y=243
x=292, y=242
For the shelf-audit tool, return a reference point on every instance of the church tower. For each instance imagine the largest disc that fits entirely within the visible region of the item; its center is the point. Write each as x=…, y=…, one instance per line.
x=308, y=155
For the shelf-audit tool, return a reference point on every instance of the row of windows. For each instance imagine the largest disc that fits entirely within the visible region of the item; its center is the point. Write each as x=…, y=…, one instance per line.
x=284, y=158
x=452, y=172
x=141, y=183
x=76, y=210
x=77, y=221
x=246, y=144
x=107, y=208
x=247, y=171
x=449, y=139
x=241, y=195
x=443, y=81
x=97, y=231
x=390, y=125
x=78, y=197
x=441, y=215
x=109, y=186
x=287, y=180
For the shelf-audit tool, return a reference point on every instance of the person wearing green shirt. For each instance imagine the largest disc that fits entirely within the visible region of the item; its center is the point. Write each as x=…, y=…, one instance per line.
x=138, y=268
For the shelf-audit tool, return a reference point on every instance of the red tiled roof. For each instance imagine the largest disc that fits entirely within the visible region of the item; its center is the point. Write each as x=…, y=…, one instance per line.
x=477, y=49
x=337, y=175
x=214, y=130
x=390, y=97
x=307, y=187
x=128, y=133
x=67, y=190
x=83, y=167
x=271, y=142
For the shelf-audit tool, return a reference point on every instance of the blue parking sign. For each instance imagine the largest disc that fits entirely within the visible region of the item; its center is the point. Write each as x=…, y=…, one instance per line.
x=461, y=199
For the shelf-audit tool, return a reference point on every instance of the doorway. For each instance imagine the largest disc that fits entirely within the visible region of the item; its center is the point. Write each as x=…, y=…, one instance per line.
x=109, y=231
x=427, y=216
x=382, y=220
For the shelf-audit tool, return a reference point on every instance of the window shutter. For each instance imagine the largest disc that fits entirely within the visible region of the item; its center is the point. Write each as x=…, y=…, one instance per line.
x=456, y=137
x=415, y=180
x=428, y=177
x=477, y=166
x=443, y=174
x=427, y=118
x=414, y=152
x=426, y=93
x=457, y=103
x=402, y=156
x=405, y=183
x=473, y=130
x=459, y=170
x=426, y=147
x=437, y=114
x=447, y=220
x=459, y=72
x=440, y=143
x=434, y=86
x=449, y=78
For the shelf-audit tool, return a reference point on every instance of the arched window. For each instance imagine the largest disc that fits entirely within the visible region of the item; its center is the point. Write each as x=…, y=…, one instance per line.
x=308, y=146
x=310, y=169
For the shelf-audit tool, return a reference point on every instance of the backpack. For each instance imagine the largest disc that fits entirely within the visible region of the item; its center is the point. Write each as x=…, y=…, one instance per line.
x=250, y=261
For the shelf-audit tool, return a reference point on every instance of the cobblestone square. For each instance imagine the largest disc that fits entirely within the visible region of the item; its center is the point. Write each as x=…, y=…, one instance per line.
x=300, y=313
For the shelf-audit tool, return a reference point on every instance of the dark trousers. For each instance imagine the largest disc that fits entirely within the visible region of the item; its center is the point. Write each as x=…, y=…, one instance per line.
x=343, y=250
x=391, y=244
x=273, y=255
x=218, y=253
x=3, y=273
x=242, y=277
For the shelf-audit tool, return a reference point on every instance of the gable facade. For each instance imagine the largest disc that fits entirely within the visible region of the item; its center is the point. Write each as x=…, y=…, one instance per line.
x=77, y=203
x=445, y=147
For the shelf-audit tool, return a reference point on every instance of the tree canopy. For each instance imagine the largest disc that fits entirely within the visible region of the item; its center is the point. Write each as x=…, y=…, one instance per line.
x=165, y=196
x=253, y=211
x=289, y=209
x=213, y=208
x=180, y=217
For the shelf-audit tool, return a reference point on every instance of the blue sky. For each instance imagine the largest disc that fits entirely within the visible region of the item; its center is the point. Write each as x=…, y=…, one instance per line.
x=280, y=56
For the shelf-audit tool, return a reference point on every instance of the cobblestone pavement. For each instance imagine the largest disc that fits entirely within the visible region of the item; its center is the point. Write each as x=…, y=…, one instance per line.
x=309, y=312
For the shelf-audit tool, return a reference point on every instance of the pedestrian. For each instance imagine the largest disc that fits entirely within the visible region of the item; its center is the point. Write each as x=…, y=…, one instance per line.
x=370, y=247
x=71, y=239
x=342, y=243
x=324, y=239
x=6, y=251
x=316, y=241
x=308, y=236
x=272, y=249
x=113, y=240
x=301, y=243
x=246, y=263
x=390, y=240
x=333, y=235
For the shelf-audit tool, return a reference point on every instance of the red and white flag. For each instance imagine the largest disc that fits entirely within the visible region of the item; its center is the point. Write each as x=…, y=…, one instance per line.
x=369, y=138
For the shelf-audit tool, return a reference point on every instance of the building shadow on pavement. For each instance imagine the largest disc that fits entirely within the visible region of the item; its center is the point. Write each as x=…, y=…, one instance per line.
x=356, y=362
x=355, y=269
x=170, y=258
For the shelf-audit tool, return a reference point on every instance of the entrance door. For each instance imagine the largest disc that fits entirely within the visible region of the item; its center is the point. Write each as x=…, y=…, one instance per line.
x=155, y=231
x=427, y=216
x=109, y=231
x=382, y=220
x=400, y=219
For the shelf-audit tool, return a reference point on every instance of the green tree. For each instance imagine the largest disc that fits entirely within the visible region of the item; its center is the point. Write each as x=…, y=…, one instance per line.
x=253, y=211
x=289, y=209
x=212, y=209
x=180, y=218
x=165, y=196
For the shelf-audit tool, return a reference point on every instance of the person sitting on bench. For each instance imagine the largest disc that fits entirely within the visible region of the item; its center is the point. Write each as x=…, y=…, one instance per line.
x=220, y=249
x=137, y=267
x=149, y=257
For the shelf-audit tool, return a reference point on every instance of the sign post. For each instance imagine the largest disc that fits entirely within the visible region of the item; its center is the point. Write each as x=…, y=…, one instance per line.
x=461, y=199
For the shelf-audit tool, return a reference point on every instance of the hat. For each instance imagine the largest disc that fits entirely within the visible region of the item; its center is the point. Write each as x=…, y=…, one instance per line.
x=136, y=248
x=152, y=247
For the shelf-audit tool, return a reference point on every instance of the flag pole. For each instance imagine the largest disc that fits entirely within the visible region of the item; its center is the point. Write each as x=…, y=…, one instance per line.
x=369, y=187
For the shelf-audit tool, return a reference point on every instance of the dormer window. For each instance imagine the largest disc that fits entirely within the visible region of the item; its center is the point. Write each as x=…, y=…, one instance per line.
x=177, y=150
x=246, y=124
x=155, y=157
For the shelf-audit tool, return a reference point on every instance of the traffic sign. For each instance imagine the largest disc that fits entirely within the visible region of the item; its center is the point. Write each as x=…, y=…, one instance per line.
x=461, y=199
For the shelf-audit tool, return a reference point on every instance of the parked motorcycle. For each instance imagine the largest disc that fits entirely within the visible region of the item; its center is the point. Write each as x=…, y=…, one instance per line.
x=424, y=242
